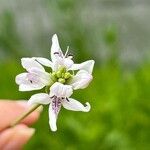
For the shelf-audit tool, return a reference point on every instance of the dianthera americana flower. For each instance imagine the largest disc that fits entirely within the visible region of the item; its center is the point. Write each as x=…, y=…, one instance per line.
x=64, y=77
x=59, y=96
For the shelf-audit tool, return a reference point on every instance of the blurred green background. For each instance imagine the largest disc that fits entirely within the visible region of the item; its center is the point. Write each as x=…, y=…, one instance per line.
x=116, y=34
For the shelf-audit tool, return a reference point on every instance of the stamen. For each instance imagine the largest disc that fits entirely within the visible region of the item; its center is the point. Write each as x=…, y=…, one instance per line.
x=85, y=105
x=67, y=51
x=70, y=55
x=59, y=54
x=37, y=61
x=67, y=99
x=52, y=96
x=31, y=81
x=56, y=53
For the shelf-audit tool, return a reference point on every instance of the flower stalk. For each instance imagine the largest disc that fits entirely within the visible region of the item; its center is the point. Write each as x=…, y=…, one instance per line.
x=24, y=115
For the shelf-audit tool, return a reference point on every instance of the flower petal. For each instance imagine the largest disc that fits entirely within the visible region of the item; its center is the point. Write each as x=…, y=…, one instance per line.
x=61, y=90
x=44, y=61
x=62, y=62
x=40, y=98
x=81, y=80
x=75, y=105
x=67, y=62
x=30, y=81
x=58, y=63
x=20, y=78
x=87, y=65
x=54, y=109
x=43, y=76
x=29, y=63
x=30, y=87
x=55, y=48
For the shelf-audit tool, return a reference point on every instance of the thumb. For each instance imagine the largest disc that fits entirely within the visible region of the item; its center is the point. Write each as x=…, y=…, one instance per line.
x=14, y=138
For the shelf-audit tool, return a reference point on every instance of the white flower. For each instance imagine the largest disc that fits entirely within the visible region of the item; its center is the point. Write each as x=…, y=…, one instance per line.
x=59, y=96
x=62, y=67
x=36, y=78
x=65, y=76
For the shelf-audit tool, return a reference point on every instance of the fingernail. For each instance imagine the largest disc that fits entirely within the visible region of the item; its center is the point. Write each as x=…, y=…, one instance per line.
x=20, y=136
x=26, y=131
x=29, y=131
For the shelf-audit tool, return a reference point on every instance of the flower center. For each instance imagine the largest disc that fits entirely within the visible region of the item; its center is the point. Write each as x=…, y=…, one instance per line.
x=61, y=75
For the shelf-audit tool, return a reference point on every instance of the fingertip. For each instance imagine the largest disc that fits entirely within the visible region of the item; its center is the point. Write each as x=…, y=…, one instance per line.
x=33, y=117
x=10, y=110
x=16, y=137
x=30, y=119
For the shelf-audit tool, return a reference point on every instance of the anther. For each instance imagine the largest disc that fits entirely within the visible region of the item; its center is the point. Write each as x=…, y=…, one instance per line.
x=31, y=81
x=58, y=74
x=85, y=105
x=61, y=80
x=70, y=55
x=52, y=96
x=67, y=75
x=67, y=99
x=56, y=53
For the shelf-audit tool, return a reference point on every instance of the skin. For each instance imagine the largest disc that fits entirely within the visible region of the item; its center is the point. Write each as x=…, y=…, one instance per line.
x=15, y=137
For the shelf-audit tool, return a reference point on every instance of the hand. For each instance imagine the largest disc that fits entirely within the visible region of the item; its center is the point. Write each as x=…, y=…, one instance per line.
x=14, y=138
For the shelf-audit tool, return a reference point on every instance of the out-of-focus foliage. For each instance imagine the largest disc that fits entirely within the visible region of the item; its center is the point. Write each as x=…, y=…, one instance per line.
x=109, y=32
x=119, y=118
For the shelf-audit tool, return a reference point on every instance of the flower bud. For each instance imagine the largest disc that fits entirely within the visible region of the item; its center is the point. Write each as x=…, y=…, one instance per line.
x=53, y=77
x=62, y=69
x=61, y=80
x=58, y=74
x=67, y=75
x=54, y=74
x=62, y=75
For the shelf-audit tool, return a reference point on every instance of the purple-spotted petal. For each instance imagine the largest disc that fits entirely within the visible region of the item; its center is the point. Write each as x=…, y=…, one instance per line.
x=30, y=81
x=55, y=48
x=54, y=109
x=43, y=76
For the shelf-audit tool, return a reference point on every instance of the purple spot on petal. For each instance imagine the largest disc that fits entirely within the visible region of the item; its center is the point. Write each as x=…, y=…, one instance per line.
x=56, y=105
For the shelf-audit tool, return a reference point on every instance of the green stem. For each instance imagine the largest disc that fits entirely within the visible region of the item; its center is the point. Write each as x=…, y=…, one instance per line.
x=24, y=115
